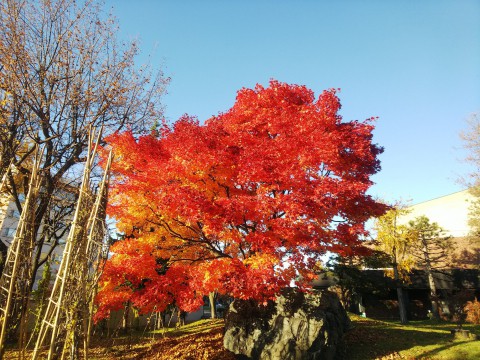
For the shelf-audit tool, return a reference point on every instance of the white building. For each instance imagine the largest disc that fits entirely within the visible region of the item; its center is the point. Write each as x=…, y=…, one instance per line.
x=9, y=217
x=451, y=213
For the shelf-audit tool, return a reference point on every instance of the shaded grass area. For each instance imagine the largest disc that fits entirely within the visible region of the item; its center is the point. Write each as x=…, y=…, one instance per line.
x=368, y=340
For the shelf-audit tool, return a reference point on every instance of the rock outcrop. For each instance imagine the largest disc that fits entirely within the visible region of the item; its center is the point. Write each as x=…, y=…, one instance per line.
x=298, y=326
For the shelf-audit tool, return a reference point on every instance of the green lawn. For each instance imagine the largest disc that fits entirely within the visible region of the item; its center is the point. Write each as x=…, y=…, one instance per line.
x=370, y=339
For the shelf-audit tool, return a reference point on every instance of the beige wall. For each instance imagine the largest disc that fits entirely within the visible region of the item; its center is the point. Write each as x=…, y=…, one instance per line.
x=449, y=211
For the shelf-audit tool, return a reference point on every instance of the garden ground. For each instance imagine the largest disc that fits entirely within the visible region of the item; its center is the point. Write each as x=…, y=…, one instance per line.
x=367, y=340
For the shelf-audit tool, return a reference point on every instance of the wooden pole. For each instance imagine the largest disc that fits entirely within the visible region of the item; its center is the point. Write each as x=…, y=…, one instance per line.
x=74, y=288
x=15, y=252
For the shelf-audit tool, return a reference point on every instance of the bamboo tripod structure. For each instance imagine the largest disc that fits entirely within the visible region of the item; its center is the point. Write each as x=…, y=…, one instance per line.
x=17, y=273
x=67, y=320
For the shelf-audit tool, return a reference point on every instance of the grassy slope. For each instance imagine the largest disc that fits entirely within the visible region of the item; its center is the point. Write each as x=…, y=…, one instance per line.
x=368, y=340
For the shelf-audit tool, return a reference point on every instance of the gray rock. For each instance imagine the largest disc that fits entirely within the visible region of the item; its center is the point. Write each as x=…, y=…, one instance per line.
x=297, y=326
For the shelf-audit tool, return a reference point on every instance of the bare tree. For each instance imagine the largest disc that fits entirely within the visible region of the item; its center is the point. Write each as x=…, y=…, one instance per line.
x=471, y=139
x=62, y=70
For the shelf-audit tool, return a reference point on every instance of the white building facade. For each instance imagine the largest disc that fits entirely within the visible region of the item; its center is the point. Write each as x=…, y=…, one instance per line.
x=451, y=212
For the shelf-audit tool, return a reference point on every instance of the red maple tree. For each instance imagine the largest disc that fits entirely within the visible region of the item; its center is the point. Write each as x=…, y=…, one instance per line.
x=244, y=204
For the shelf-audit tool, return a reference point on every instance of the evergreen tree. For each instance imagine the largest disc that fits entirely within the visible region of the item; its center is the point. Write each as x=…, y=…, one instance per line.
x=431, y=248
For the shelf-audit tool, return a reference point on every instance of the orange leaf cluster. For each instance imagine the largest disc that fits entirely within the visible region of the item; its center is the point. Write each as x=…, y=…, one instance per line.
x=472, y=310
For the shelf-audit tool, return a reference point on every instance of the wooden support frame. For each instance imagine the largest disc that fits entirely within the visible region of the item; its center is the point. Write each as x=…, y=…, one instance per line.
x=71, y=300
x=18, y=263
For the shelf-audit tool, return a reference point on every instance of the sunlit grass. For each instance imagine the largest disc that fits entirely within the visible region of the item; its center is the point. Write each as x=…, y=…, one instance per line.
x=196, y=327
x=370, y=339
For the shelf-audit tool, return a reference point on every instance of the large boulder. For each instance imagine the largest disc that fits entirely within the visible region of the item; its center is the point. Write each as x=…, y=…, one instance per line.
x=296, y=326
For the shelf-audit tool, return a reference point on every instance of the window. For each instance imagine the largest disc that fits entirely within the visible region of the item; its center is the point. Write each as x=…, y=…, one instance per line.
x=9, y=232
x=13, y=214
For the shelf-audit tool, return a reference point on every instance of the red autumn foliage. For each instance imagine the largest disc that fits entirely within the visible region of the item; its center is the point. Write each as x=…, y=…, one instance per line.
x=243, y=204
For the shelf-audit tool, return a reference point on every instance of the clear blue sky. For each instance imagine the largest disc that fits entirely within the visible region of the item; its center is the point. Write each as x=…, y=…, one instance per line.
x=414, y=64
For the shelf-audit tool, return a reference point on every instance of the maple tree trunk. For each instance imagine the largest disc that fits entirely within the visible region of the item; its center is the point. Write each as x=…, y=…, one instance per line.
x=211, y=297
x=125, y=325
x=181, y=315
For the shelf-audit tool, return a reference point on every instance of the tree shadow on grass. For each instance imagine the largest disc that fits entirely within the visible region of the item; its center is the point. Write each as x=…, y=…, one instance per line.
x=200, y=340
x=374, y=339
x=194, y=346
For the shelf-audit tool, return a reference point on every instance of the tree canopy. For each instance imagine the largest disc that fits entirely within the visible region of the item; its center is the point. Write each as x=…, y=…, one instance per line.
x=244, y=204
